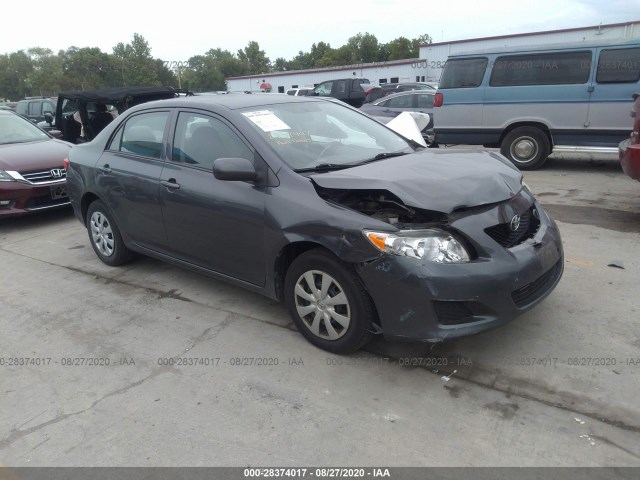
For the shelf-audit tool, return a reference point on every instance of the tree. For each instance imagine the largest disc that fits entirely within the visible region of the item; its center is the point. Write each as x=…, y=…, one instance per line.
x=88, y=68
x=137, y=66
x=423, y=39
x=364, y=48
x=255, y=59
x=400, y=48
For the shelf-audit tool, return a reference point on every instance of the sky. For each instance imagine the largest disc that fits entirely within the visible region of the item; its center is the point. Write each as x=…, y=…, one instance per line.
x=177, y=31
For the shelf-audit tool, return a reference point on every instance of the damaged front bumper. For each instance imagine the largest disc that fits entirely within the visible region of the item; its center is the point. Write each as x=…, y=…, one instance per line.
x=418, y=300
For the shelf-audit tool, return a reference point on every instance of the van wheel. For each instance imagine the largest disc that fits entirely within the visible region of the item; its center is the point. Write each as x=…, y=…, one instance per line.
x=327, y=302
x=526, y=147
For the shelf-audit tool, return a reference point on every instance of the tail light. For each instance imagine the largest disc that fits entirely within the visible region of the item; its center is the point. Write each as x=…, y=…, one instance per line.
x=65, y=163
x=438, y=100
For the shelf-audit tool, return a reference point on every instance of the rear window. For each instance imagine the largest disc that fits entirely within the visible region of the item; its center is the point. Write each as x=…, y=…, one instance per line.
x=619, y=66
x=463, y=73
x=541, y=69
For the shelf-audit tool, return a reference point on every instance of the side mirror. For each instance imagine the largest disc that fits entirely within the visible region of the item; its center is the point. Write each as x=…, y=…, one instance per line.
x=234, y=169
x=48, y=117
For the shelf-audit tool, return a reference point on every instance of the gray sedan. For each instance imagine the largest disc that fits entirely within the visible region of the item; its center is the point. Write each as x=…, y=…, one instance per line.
x=391, y=106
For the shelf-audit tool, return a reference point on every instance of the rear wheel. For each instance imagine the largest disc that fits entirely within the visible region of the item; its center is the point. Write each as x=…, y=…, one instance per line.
x=328, y=304
x=105, y=237
x=526, y=147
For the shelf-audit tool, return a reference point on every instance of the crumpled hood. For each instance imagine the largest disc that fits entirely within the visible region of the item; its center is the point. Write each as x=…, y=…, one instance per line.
x=438, y=180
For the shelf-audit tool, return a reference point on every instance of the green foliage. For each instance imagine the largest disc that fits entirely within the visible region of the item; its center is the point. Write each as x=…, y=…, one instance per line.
x=39, y=71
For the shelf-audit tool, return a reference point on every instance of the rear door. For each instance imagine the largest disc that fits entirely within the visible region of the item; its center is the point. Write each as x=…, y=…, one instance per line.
x=215, y=224
x=128, y=175
x=615, y=79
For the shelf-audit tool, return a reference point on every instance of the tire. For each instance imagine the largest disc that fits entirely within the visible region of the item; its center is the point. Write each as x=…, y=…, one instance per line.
x=105, y=237
x=340, y=321
x=526, y=147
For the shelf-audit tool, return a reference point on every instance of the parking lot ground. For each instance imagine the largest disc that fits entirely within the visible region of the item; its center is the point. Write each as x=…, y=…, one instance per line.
x=193, y=372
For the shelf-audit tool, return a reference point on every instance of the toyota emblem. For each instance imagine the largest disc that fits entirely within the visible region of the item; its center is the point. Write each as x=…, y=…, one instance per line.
x=515, y=223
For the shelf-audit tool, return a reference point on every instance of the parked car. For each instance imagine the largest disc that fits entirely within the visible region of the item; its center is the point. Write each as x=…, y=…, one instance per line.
x=383, y=236
x=349, y=90
x=629, y=149
x=537, y=100
x=95, y=109
x=299, y=91
x=32, y=177
x=35, y=108
x=391, y=106
x=390, y=88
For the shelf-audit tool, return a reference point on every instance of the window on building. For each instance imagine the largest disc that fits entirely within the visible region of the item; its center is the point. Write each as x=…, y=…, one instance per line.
x=382, y=80
x=417, y=78
x=280, y=89
x=394, y=80
x=294, y=86
x=423, y=78
x=559, y=68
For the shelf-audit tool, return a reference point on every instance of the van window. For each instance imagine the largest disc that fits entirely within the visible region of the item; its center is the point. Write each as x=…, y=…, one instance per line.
x=541, y=69
x=621, y=65
x=463, y=73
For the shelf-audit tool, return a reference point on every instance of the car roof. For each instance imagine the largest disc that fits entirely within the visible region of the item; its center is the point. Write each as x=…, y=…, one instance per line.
x=231, y=102
x=110, y=95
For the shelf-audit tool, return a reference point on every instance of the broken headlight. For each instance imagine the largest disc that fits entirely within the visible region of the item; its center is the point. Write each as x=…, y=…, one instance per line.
x=433, y=245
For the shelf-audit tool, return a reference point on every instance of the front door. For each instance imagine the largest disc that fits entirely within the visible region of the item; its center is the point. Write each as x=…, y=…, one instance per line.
x=215, y=224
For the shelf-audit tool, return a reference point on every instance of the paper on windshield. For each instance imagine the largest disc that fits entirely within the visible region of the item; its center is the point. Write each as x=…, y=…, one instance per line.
x=266, y=120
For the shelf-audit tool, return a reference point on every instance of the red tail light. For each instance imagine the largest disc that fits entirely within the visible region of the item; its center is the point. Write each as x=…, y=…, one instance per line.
x=438, y=100
x=65, y=163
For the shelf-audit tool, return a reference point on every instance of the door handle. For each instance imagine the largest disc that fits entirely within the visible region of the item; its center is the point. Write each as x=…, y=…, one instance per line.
x=170, y=184
x=105, y=168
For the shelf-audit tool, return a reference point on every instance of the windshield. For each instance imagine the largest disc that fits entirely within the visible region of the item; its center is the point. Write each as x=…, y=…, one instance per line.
x=15, y=129
x=312, y=134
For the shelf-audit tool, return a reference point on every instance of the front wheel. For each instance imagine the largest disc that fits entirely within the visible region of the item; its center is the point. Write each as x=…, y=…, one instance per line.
x=327, y=302
x=526, y=147
x=105, y=237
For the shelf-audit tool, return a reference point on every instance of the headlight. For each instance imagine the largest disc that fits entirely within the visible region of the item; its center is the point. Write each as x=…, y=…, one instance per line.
x=5, y=177
x=433, y=245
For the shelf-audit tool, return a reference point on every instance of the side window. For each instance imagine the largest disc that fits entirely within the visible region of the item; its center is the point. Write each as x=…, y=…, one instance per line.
x=324, y=88
x=200, y=140
x=341, y=86
x=384, y=103
x=619, y=66
x=115, y=142
x=425, y=101
x=34, y=108
x=564, y=68
x=48, y=107
x=463, y=73
x=143, y=134
x=291, y=92
x=401, y=101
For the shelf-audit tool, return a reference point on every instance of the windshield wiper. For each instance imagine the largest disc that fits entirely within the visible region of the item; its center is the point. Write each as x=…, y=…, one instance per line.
x=324, y=167
x=380, y=156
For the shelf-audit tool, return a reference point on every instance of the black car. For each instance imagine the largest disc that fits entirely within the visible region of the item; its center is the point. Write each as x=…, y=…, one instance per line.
x=307, y=200
x=81, y=115
x=35, y=108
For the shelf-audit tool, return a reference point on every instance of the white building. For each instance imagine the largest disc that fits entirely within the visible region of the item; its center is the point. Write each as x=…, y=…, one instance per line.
x=410, y=70
x=432, y=59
